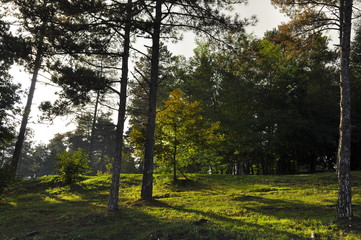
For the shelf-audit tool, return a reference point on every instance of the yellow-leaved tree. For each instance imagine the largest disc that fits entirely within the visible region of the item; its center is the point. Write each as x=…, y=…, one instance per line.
x=185, y=140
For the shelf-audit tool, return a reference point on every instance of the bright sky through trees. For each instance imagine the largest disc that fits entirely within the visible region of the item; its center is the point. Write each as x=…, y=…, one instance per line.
x=268, y=18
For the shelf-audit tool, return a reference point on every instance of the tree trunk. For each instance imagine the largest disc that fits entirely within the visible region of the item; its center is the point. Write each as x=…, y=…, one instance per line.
x=147, y=184
x=344, y=209
x=114, y=188
x=92, y=135
x=21, y=137
x=175, y=153
x=175, y=164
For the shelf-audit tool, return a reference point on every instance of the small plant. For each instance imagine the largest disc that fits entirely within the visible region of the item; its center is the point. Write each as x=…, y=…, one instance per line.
x=72, y=165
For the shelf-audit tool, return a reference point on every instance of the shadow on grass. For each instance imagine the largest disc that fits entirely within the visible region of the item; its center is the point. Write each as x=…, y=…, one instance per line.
x=54, y=216
x=234, y=230
x=55, y=211
x=286, y=209
x=47, y=215
x=300, y=211
x=80, y=218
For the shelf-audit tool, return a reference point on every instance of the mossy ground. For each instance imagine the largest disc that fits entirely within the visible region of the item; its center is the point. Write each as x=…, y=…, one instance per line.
x=204, y=207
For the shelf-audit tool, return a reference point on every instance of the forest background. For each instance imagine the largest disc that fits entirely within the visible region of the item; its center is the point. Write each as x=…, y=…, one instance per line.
x=242, y=104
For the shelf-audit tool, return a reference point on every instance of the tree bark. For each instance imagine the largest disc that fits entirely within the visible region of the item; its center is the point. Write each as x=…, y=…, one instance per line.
x=344, y=209
x=147, y=184
x=21, y=137
x=175, y=163
x=92, y=136
x=114, y=188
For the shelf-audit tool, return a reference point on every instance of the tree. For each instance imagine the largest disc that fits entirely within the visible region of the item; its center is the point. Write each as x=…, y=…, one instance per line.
x=318, y=16
x=36, y=161
x=265, y=92
x=166, y=17
x=79, y=85
x=117, y=19
x=139, y=92
x=36, y=18
x=96, y=28
x=103, y=134
x=355, y=67
x=147, y=182
x=9, y=97
x=49, y=32
x=11, y=49
x=202, y=81
x=344, y=207
x=56, y=146
x=183, y=135
x=114, y=189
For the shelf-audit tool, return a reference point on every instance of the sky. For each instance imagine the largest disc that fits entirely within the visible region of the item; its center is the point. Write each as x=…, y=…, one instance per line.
x=268, y=18
x=267, y=15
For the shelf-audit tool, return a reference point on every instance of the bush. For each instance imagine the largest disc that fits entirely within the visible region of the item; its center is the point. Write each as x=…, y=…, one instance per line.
x=5, y=177
x=72, y=165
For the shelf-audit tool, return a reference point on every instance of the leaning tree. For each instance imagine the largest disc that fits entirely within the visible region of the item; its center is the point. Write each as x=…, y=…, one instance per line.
x=35, y=19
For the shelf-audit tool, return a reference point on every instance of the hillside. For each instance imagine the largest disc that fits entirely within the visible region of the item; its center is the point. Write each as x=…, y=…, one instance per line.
x=207, y=207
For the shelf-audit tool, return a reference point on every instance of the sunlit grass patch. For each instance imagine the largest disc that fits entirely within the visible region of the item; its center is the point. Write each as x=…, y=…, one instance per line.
x=52, y=200
x=202, y=207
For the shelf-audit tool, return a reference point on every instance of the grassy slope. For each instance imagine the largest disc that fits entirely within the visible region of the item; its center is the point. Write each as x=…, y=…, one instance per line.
x=209, y=207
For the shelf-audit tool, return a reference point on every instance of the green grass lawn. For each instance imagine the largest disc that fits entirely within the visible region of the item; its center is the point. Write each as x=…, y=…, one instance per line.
x=207, y=207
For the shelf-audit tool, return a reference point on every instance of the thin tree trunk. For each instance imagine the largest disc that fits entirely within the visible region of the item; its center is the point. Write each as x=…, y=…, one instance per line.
x=175, y=154
x=344, y=209
x=175, y=164
x=21, y=137
x=114, y=188
x=92, y=136
x=147, y=184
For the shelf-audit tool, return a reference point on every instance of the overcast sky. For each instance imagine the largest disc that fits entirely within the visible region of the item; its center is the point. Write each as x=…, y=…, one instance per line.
x=267, y=15
x=268, y=18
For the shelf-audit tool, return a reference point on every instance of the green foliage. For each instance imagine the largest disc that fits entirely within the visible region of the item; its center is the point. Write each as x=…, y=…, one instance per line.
x=184, y=138
x=36, y=161
x=72, y=165
x=5, y=177
x=168, y=73
x=9, y=97
x=271, y=96
x=355, y=66
x=87, y=80
x=10, y=49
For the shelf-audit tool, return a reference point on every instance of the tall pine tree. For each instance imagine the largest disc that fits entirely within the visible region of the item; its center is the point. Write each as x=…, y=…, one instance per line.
x=306, y=17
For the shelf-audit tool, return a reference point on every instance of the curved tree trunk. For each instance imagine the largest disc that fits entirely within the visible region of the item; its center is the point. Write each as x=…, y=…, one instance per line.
x=21, y=137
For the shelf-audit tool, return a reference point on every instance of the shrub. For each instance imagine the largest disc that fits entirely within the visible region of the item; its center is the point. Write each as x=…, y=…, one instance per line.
x=5, y=177
x=72, y=165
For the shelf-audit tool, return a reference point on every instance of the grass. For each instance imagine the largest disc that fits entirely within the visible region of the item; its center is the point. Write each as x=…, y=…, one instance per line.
x=207, y=207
